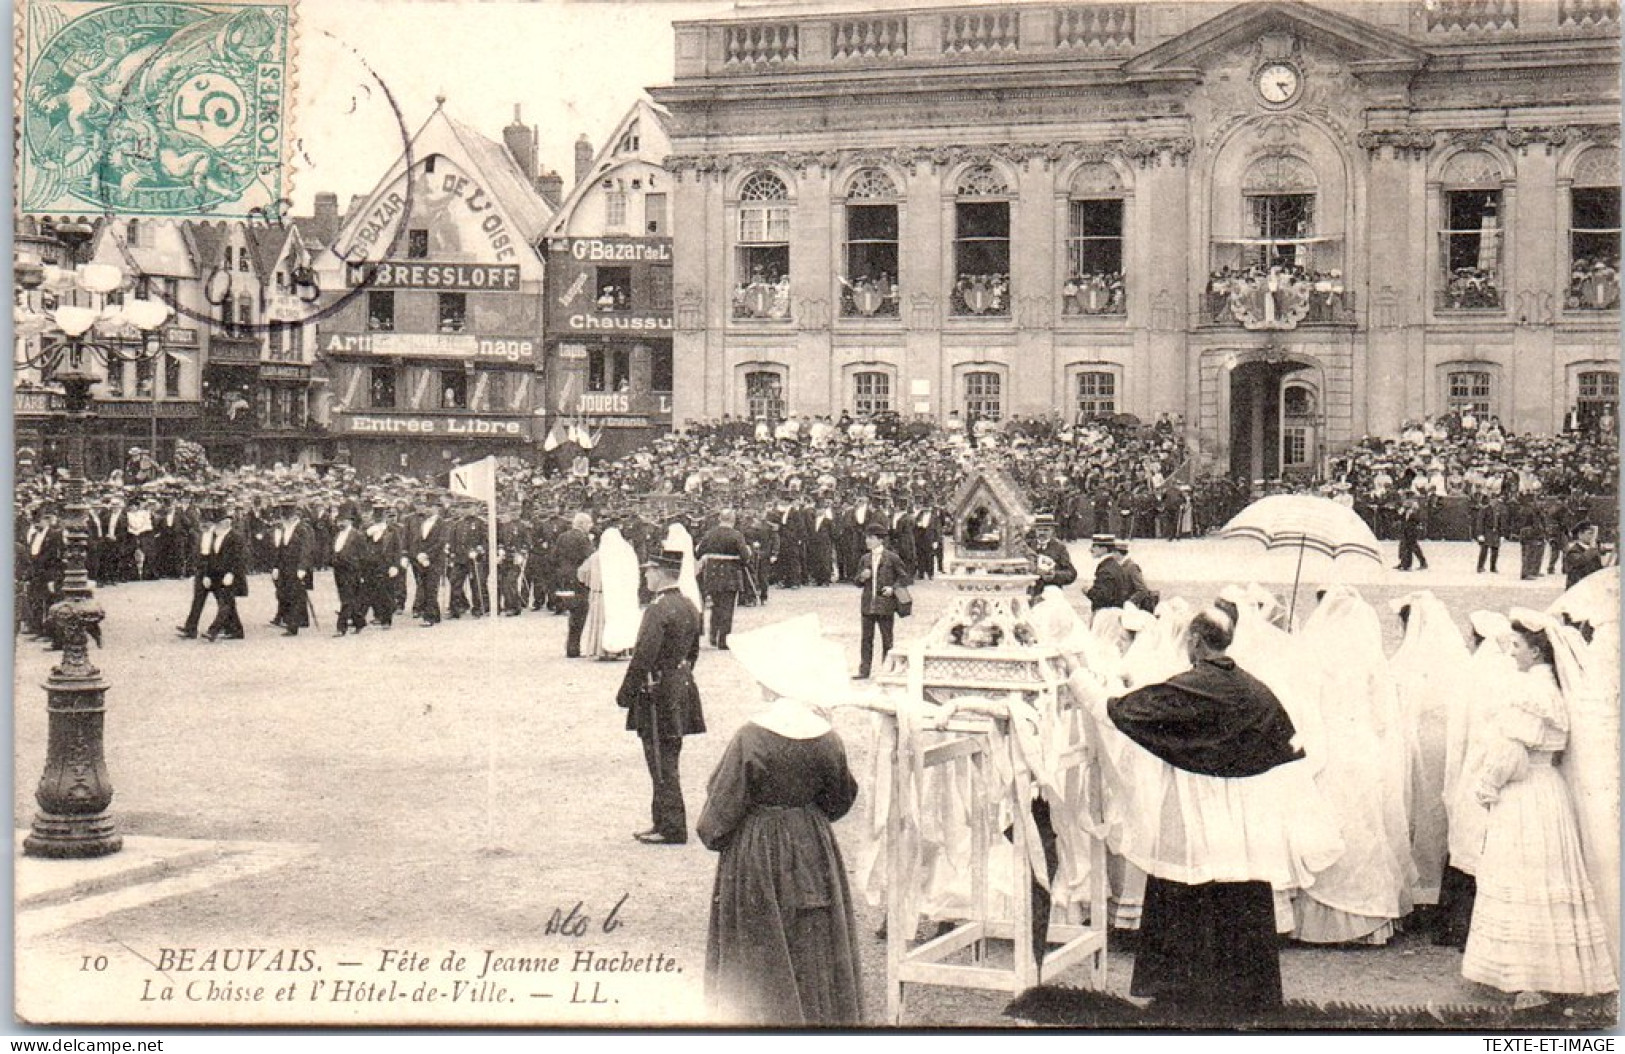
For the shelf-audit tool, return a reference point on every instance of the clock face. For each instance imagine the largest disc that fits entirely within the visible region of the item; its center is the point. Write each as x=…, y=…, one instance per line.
x=1278, y=83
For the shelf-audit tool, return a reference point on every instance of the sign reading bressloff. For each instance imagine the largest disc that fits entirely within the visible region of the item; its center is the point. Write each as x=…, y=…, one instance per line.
x=432, y=346
x=416, y=274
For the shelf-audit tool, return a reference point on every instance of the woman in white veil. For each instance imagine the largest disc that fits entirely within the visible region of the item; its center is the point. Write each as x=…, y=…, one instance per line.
x=611, y=575
x=679, y=540
x=1430, y=676
x=1360, y=898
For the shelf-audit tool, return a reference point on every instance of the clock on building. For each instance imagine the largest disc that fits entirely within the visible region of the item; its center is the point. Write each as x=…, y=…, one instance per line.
x=1278, y=83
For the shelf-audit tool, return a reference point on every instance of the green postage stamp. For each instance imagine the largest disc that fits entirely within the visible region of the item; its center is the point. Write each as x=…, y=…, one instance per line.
x=155, y=107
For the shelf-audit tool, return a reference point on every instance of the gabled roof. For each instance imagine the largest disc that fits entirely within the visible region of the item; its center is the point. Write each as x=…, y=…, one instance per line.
x=997, y=485
x=651, y=149
x=208, y=240
x=265, y=245
x=1366, y=48
x=440, y=134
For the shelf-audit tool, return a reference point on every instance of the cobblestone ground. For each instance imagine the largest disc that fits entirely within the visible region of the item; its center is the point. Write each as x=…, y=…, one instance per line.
x=454, y=786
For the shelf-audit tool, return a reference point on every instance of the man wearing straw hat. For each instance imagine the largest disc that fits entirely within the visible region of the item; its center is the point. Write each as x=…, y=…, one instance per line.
x=659, y=696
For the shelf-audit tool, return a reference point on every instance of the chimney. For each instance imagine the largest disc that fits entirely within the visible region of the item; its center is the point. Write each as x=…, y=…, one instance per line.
x=550, y=185
x=583, y=158
x=327, y=217
x=521, y=143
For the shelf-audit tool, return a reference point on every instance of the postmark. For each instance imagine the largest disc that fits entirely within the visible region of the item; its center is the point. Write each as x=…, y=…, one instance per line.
x=159, y=108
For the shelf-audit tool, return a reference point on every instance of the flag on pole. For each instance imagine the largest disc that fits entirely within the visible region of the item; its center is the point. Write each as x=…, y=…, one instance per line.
x=552, y=442
x=476, y=480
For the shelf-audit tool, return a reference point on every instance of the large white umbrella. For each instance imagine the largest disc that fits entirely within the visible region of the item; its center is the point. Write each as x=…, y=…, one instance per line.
x=1306, y=523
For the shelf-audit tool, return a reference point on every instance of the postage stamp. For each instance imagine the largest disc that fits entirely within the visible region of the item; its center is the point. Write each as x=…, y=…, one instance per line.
x=155, y=108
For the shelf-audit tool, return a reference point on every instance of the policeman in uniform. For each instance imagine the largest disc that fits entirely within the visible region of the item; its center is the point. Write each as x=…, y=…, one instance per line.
x=661, y=700
x=722, y=554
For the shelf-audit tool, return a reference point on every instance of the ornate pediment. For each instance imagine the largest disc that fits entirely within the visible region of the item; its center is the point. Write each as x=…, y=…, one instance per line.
x=1361, y=45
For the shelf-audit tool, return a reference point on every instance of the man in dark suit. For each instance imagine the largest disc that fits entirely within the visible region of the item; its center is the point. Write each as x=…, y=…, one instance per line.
x=661, y=700
x=722, y=554
x=1411, y=530
x=45, y=551
x=350, y=559
x=901, y=538
x=1489, y=523
x=426, y=545
x=928, y=540
x=880, y=573
x=226, y=578
x=385, y=567
x=1530, y=523
x=849, y=537
x=821, y=546
x=199, y=556
x=1583, y=555
x=1113, y=584
x=291, y=569
x=569, y=551
x=1050, y=557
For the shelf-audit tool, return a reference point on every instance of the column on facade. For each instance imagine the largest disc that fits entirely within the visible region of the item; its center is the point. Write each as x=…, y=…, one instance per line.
x=699, y=301
x=1159, y=284
x=1535, y=392
x=1035, y=380
x=1396, y=234
x=924, y=287
x=812, y=283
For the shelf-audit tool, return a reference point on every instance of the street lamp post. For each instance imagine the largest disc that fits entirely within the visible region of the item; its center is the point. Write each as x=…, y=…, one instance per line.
x=74, y=792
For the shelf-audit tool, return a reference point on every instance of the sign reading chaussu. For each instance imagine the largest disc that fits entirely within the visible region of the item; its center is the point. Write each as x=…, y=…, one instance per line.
x=432, y=346
x=447, y=427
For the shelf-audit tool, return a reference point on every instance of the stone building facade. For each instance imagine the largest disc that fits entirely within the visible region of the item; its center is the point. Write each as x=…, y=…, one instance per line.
x=1288, y=225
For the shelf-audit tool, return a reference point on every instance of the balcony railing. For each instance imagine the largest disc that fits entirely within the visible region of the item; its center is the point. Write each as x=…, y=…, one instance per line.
x=763, y=300
x=870, y=299
x=870, y=38
x=1584, y=13
x=1277, y=299
x=980, y=295
x=1444, y=16
x=1101, y=27
x=1593, y=286
x=1094, y=294
x=980, y=32
x=1470, y=289
x=761, y=44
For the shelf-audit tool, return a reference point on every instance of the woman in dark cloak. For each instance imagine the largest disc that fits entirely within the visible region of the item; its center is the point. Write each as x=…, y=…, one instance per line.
x=782, y=949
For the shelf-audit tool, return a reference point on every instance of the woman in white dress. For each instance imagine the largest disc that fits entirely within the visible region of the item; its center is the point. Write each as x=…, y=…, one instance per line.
x=611, y=577
x=1537, y=926
x=1361, y=898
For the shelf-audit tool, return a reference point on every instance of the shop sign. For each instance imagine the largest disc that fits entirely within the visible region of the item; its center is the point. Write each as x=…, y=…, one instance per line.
x=621, y=250
x=418, y=274
x=234, y=351
x=408, y=426
x=37, y=402
x=145, y=408
x=624, y=403
x=432, y=346
x=185, y=336
x=621, y=422
x=618, y=322
x=573, y=352
x=282, y=371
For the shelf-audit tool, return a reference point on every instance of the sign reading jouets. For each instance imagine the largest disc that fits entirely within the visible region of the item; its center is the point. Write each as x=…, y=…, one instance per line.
x=623, y=403
x=445, y=427
x=432, y=346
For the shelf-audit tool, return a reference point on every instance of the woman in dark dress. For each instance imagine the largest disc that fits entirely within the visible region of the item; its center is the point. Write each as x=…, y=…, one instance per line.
x=782, y=948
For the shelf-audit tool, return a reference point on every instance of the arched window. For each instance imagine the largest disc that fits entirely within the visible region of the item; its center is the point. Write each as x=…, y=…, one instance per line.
x=1094, y=244
x=763, y=254
x=1594, y=233
x=1097, y=393
x=983, y=395
x=981, y=243
x=870, y=286
x=1470, y=243
x=764, y=395
x=1279, y=192
x=871, y=392
x=1470, y=390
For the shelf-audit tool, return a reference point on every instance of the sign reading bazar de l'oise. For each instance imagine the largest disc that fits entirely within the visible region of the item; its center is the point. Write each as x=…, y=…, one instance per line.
x=448, y=426
x=432, y=346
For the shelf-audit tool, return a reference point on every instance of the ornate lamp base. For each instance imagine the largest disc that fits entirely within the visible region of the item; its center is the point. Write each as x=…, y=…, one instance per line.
x=72, y=837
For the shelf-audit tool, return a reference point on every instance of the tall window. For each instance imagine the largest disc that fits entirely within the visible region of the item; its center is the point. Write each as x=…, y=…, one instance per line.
x=1470, y=244
x=654, y=214
x=1094, y=250
x=417, y=243
x=660, y=371
x=983, y=395
x=763, y=261
x=870, y=286
x=659, y=287
x=609, y=368
x=496, y=391
x=381, y=388
x=143, y=378
x=871, y=392
x=764, y=395
x=1594, y=233
x=615, y=210
x=1470, y=390
x=381, y=311
x=1097, y=393
x=1599, y=398
x=613, y=288
x=981, y=243
x=115, y=380
x=1281, y=225
x=453, y=390
x=1295, y=446
x=172, y=376
x=453, y=312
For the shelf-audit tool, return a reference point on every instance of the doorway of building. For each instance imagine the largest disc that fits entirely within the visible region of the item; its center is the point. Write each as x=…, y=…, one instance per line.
x=1272, y=422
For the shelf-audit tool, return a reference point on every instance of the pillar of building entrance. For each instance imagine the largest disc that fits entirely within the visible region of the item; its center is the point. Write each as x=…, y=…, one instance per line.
x=1255, y=419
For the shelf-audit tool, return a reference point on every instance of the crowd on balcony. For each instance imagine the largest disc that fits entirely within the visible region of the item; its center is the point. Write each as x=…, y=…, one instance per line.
x=1100, y=293
x=1594, y=285
x=1472, y=288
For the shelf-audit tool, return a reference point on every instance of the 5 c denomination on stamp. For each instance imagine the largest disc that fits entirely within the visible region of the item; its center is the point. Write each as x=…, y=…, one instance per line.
x=155, y=108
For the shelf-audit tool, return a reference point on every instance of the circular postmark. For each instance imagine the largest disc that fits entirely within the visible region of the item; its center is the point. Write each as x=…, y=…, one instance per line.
x=298, y=296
